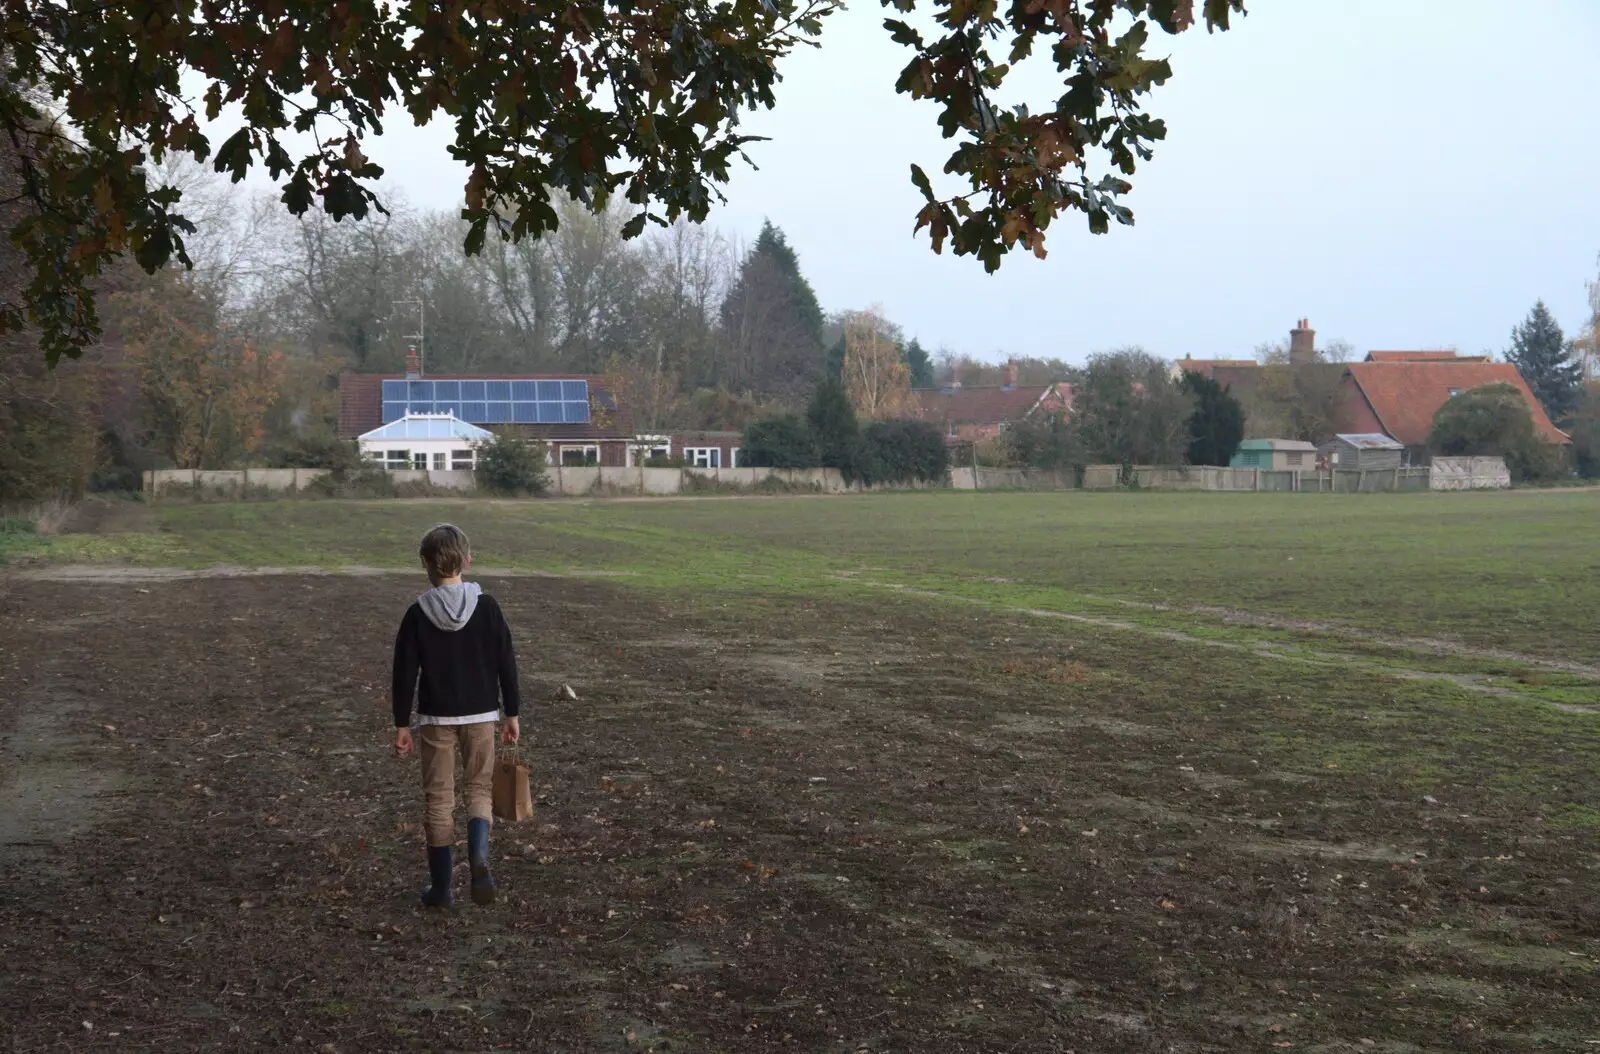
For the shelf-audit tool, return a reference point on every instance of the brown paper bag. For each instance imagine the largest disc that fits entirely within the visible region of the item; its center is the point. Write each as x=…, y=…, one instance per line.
x=512, y=799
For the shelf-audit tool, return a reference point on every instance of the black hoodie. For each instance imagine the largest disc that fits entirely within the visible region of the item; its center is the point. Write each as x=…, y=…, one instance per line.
x=454, y=667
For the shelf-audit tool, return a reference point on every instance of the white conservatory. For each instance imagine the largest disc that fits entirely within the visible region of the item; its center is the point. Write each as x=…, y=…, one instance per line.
x=442, y=442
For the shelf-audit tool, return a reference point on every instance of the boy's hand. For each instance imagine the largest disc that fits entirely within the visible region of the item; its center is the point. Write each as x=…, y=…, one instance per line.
x=402, y=743
x=511, y=731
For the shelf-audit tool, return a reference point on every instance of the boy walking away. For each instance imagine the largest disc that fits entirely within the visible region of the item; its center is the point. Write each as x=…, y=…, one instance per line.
x=453, y=653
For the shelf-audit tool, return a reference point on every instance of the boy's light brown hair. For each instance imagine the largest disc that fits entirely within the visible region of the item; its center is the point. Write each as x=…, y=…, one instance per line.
x=445, y=551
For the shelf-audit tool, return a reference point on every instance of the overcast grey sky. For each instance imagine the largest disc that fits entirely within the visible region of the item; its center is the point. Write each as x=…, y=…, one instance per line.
x=1405, y=173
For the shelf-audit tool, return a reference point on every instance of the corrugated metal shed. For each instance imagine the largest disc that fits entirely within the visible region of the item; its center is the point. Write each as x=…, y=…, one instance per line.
x=1363, y=451
x=1370, y=441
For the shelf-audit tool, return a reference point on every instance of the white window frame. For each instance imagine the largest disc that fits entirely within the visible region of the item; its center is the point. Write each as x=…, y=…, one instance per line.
x=441, y=461
x=733, y=458
x=583, y=450
x=467, y=463
x=395, y=459
x=643, y=448
x=422, y=456
x=702, y=456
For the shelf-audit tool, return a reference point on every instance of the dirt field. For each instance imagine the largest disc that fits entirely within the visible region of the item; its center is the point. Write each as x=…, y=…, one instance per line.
x=775, y=822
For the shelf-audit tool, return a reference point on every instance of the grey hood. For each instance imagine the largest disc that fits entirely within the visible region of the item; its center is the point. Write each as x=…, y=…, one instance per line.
x=450, y=607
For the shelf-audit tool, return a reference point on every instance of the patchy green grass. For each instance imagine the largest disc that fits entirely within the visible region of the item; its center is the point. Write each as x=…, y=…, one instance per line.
x=1484, y=589
x=1484, y=572
x=1377, y=559
x=1576, y=818
x=18, y=538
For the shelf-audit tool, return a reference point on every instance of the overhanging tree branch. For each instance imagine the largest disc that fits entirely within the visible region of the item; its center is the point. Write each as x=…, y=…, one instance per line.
x=589, y=97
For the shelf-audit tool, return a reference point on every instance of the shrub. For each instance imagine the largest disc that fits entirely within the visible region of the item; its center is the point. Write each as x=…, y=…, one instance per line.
x=1216, y=428
x=902, y=452
x=1584, y=428
x=361, y=483
x=18, y=538
x=1494, y=421
x=511, y=466
x=778, y=442
x=834, y=428
x=315, y=451
x=696, y=484
x=1045, y=442
x=1537, y=462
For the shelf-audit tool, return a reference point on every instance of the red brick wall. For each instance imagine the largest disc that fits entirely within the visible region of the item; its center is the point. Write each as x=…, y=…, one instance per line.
x=1357, y=417
x=360, y=403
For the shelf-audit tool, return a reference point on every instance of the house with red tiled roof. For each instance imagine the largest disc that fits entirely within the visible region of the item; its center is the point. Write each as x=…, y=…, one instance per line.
x=1393, y=393
x=1400, y=396
x=1423, y=356
x=978, y=413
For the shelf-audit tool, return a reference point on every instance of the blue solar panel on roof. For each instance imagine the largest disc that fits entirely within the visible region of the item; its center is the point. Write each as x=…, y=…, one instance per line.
x=491, y=400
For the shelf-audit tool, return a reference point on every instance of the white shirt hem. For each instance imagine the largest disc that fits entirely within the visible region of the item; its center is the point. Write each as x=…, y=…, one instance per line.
x=466, y=719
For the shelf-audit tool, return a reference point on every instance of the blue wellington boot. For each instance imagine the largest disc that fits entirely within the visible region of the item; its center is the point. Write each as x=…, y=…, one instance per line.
x=478, y=860
x=437, y=895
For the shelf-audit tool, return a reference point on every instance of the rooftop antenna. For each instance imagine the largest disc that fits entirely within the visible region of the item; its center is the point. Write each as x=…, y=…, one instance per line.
x=422, y=327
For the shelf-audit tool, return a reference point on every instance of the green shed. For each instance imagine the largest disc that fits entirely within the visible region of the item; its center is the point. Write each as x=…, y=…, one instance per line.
x=1292, y=455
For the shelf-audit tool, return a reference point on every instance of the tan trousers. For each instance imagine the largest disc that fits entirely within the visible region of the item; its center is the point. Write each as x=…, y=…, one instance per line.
x=438, y=745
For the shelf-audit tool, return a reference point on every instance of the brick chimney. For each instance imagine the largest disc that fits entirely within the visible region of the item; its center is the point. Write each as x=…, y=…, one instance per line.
x=1010, y=374
x=413, y=363
x=1302, y=344
x=955, y=380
